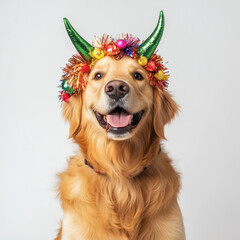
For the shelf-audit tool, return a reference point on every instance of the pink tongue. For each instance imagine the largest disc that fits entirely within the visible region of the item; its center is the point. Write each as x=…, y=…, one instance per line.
x=118, y=120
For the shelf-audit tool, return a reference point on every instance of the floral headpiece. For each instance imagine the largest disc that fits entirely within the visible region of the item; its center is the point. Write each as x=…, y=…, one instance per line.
x=75, y=74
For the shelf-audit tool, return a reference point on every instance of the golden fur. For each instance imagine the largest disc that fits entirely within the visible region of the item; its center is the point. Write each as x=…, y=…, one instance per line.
x=122, y=202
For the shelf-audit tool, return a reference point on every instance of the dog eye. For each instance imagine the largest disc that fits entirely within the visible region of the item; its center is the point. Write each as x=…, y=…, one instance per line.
x=138, y=76
x=98, y=76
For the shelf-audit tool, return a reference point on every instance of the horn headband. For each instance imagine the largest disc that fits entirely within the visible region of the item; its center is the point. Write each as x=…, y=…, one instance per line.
x=75, y=74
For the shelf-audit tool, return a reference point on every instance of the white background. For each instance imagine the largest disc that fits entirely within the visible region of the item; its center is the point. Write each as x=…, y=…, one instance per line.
x=201, y=43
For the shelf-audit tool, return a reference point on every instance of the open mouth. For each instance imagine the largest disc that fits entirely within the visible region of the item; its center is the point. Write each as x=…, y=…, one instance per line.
x=119, y=120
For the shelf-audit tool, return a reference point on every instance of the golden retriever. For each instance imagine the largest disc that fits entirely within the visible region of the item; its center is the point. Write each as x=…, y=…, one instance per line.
x=122, y=185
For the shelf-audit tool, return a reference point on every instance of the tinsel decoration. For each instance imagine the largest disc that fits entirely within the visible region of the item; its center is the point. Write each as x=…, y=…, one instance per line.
x=75, y=73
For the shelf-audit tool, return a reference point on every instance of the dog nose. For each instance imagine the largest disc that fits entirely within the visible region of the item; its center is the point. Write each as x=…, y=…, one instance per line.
x=116, y=89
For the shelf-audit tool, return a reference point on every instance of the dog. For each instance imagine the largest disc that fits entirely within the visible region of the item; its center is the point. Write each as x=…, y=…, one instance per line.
x=121, y=185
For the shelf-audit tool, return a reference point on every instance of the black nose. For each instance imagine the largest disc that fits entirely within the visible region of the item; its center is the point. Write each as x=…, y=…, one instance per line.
x=116, y=89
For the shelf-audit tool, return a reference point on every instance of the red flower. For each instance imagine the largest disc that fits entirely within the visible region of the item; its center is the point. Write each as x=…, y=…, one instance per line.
x=85, y=68
x=150, y=66
x=64, y=96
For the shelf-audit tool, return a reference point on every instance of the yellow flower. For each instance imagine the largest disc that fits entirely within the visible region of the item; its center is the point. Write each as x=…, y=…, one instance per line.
x=160, y=75
x=97, y=54
x=142, y=61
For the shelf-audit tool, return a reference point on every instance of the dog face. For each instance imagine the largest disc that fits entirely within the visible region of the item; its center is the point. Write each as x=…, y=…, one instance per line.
x=118, y=97
x=118, y=102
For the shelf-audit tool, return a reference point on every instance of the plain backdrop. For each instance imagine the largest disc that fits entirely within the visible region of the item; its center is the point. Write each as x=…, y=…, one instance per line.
x=201, y=45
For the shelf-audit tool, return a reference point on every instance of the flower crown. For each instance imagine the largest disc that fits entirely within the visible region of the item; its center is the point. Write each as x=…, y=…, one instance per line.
x=75, y=74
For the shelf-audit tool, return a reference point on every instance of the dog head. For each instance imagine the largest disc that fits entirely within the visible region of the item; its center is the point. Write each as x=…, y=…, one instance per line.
x=118, y=102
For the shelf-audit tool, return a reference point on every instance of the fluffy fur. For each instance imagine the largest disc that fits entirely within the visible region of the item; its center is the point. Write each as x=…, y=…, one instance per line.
x=123, y=202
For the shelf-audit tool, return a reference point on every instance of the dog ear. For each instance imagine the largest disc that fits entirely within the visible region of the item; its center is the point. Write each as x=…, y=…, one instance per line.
x=164, y=110
x=71, y=111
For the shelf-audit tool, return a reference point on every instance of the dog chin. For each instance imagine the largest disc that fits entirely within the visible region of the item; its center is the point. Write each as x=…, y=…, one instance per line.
x=119, y=136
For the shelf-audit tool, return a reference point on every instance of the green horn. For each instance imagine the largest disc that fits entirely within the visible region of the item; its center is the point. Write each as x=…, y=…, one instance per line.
x=147, y=48
x=82, y=46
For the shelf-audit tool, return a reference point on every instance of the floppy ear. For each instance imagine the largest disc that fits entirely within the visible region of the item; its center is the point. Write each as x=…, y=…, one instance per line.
x=72, y=113
x=164, y=110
